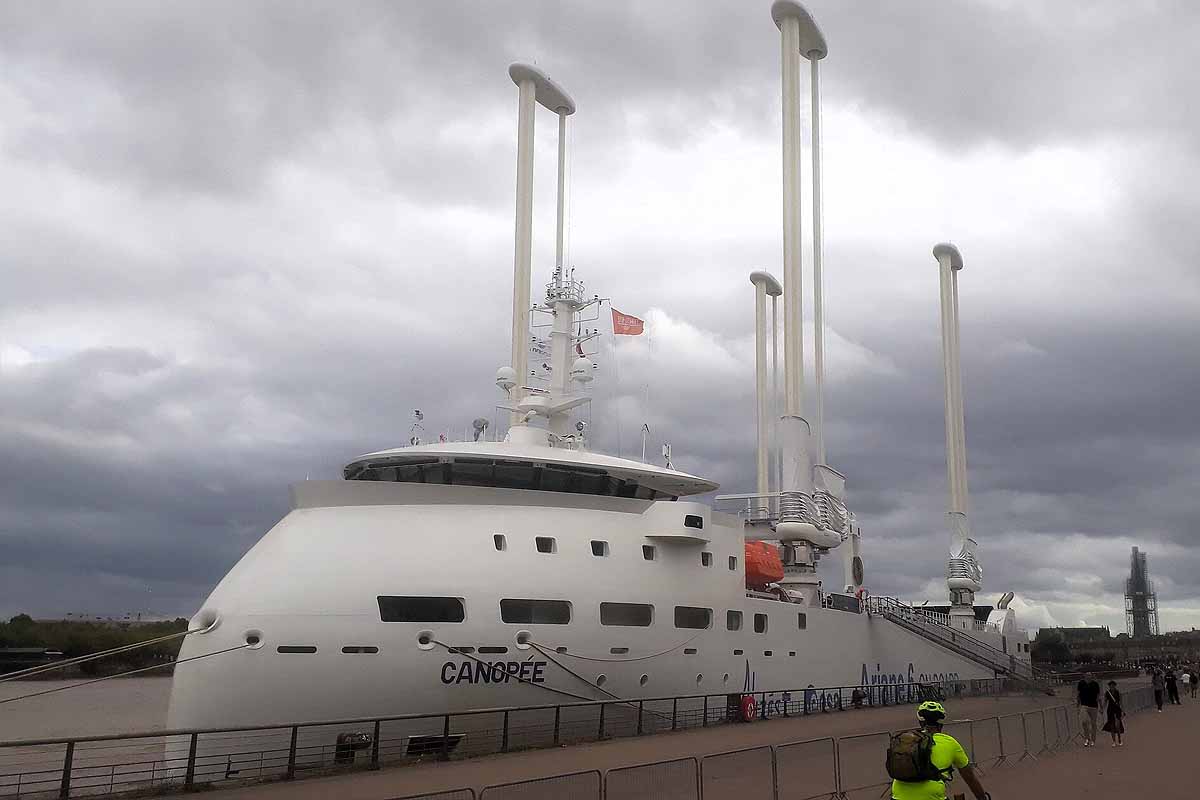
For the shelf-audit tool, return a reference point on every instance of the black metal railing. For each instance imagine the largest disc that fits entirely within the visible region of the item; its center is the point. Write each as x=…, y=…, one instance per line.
x=186, y=759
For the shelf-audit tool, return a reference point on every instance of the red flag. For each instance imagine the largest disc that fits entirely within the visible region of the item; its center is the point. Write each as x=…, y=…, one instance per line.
x=626, y=324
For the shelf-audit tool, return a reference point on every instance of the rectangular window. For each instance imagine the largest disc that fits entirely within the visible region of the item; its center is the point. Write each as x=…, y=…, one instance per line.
x=500, y=542
x=706, y=559
x=599, y=548
x=296, y=648
x=760, y=623
x=689, y=651
x=421, y=609
x=493, y=650
x=768, y=652
x=692, y=617
x=618, y=651
x=738, y=652
x=634, y=615
x=535, y=612
x=648, y=552
x=733, y=563
x=351, y=648
x=733, y=620
x=693, y=521
x=802, y=619
x=545, y=544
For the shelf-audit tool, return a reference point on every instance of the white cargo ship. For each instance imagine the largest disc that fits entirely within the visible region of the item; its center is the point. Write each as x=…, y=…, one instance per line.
x=528, y=571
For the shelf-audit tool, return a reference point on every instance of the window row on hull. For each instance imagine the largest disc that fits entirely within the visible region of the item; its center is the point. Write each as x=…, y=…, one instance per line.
x=526, y=611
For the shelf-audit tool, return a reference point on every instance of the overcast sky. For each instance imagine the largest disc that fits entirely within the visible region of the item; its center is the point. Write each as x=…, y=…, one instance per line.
x=240, y=242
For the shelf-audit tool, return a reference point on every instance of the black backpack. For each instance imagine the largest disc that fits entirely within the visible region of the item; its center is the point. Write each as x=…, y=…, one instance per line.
x=910, y=757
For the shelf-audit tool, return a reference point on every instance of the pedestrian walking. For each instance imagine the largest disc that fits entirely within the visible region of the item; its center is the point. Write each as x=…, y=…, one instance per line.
x=1185, y=678
x=1156, y=680
x=1114, y=724
x=921, y=762
x=1088, y=691
x=1172, y=687
x=1195, y=682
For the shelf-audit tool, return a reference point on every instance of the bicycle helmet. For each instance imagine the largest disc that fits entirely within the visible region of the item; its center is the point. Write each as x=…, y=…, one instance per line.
x=931, y=711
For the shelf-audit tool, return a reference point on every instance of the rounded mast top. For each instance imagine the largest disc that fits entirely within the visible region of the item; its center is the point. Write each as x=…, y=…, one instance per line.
x=773, y=287
x=951, y=252
x=812, y=41
x=548, y=93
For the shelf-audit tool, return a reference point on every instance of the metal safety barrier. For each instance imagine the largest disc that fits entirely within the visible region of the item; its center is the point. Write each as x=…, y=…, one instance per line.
x=159, y=762
x=832, y=768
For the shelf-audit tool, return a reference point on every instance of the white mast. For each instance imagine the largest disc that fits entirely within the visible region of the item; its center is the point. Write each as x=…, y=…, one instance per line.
x=764, y=284
x=774, y=293
x=964, y=576
x=814, y=56
x=563, y=295
x=798, y=525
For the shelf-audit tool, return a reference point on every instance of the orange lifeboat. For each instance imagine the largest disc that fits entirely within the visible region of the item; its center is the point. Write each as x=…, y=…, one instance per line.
x=763, y=565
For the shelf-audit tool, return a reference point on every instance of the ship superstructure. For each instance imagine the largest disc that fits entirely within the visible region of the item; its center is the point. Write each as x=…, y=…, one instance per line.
x=452, y=576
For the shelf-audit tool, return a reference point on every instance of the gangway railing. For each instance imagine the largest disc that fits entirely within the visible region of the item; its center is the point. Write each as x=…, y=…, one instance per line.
x=935, y=626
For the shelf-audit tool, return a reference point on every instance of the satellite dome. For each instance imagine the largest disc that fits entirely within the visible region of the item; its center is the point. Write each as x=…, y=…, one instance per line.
x=506, y=378
x=581, y=370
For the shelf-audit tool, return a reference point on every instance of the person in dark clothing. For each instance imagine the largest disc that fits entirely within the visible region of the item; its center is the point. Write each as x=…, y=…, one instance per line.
x=1172, y=687
x=1156, y=680
x=1089, y=708
x=1115, y=722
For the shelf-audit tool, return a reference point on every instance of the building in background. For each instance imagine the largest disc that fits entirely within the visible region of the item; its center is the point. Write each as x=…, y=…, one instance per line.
x=1141, y=604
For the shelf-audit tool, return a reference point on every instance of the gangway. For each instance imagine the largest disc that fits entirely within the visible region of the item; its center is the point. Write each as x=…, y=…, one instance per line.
x=935, y=627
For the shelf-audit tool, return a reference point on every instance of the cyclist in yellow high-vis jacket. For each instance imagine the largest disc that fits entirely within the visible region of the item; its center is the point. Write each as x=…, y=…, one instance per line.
x=947, y=755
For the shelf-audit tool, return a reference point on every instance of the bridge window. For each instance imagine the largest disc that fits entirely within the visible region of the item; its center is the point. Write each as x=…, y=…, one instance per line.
x=635, y=615
x=693, y=521
x=760, y=623
x=706, y=559
x=692, y=617
x=733, y=620
x=421, y=609
x=500, y=542
x=536, y=612
x=599, y=548
x=545, y=544
x=648, y=552
x=733, y=563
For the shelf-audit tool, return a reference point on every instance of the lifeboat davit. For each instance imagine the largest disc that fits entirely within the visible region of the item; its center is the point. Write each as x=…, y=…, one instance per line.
x=763, y=565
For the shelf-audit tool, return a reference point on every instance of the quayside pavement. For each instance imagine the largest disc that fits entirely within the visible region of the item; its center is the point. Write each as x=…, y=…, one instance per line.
x=1160, y=761
x=476, y=773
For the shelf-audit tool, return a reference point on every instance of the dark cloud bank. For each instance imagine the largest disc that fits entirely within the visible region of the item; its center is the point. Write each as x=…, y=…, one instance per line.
x=236, y=233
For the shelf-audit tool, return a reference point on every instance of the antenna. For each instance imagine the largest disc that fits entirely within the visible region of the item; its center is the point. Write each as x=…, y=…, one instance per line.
x=666, y=451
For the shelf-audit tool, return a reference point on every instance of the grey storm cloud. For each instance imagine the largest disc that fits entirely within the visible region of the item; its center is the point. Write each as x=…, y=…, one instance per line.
x=244, y=241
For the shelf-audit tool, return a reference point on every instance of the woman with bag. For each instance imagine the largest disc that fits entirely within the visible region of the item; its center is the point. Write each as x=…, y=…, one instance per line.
x=1115, y=723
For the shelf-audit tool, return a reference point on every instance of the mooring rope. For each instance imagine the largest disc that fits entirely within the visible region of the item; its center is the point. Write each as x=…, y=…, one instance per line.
x=39, y=669
x=123, y=674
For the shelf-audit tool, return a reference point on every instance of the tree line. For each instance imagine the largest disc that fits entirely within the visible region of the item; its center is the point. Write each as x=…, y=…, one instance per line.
x=81, y=638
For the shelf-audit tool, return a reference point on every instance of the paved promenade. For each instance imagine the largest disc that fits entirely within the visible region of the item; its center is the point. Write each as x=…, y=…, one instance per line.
x=1160, y=761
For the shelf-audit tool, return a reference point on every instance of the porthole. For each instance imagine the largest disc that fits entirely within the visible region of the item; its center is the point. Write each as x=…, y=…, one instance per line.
x=254, y=639
x=601, y=679
x=644, y=680
x=425, y=640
